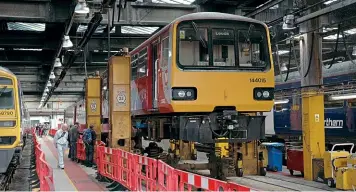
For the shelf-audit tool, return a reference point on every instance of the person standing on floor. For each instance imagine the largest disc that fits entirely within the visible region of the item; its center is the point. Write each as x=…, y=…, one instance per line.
x=73, y=137
x=38, y=129
x=69, y=146
x=61, y=143
x=89, y=137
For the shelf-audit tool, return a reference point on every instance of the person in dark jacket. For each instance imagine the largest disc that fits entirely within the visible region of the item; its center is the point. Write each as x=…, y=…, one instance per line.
x=89, y=139
x=73, y=138
x=38, y=129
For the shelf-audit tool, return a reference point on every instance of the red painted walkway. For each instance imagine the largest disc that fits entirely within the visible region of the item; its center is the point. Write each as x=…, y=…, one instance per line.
x=76, y=174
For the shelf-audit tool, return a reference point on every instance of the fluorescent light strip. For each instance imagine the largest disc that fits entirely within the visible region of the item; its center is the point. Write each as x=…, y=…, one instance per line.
x=283, y=101
x=342, y=97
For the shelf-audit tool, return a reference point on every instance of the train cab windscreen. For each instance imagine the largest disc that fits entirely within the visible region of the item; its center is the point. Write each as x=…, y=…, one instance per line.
x=6, y=94
x=231, y=45
x=6, y=98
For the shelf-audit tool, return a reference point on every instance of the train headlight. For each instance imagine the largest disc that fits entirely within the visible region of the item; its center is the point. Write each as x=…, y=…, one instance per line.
x=184, y=93
x=259, y=94
x=263, y=93
x=181, y=94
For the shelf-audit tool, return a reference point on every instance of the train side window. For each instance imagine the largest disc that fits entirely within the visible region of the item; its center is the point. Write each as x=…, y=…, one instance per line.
x=278, y=107
x=333, y=104
x=351, y=103
x=134, y=67
x=165, y=52
x=142, y=63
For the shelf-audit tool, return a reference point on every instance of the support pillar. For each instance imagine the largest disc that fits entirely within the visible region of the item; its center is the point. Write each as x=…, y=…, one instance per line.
x=93, y=104
x=312, y=98
x=120, y=102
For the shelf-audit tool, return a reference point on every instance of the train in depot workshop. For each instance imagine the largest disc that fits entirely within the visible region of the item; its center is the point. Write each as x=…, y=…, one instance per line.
x=340, y=111
x=206, y=77
x=14, y=123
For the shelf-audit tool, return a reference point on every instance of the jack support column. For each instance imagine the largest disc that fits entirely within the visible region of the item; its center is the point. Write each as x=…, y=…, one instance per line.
x=93, y=104
x=312, y=96
x=120, y=102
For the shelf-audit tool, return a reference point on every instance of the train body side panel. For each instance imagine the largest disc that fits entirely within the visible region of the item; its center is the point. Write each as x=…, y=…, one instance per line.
x=339, y=122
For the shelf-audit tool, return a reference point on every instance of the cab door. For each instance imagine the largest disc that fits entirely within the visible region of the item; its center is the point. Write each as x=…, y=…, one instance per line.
x=154, y=52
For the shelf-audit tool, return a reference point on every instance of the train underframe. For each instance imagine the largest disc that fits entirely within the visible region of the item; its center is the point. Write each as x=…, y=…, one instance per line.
x=231, y=140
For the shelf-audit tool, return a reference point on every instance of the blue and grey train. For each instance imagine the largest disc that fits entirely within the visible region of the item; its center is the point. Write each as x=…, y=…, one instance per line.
x=340, y=120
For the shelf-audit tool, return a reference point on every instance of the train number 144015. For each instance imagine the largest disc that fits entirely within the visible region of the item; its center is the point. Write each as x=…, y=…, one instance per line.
x=258, y=80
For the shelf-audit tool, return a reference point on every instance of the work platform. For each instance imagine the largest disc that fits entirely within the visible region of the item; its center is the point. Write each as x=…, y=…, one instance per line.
x=74, y=177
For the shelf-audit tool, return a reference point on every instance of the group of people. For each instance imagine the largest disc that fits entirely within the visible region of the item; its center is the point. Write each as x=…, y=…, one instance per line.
x=42, y=129
x=67, y=137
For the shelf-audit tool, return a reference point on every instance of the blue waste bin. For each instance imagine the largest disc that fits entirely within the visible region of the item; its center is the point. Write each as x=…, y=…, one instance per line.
x=275, y=157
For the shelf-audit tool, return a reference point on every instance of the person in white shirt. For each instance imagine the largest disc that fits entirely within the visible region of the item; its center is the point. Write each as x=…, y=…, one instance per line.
x=61, y=143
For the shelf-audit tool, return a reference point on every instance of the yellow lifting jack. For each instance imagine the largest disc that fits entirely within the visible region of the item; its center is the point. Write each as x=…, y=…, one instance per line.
x=247, y=158
x=182, y=150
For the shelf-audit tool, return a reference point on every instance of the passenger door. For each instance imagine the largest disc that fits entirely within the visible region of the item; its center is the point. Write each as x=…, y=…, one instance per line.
x=155, y=49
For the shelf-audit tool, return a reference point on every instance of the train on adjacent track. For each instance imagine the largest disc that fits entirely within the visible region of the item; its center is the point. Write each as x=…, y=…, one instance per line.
x=340, y=124
x=14, y=119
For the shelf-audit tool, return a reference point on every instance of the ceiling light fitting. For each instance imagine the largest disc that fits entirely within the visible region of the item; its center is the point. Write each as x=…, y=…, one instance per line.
x=57, y=63
x=288, y=22
x=67, y=43
x=81, y=7
x=52, y=76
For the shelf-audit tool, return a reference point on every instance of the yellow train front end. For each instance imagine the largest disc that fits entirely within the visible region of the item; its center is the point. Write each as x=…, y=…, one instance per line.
x=222, y=78
x=10, y=126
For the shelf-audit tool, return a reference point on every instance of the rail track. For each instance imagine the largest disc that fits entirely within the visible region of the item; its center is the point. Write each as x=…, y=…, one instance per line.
x=7, y=177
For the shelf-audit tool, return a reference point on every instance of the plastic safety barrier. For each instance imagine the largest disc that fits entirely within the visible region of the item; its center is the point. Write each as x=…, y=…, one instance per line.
x=52, y=132
x=43, y=169
x=80, y=149
x=140, y=173
x=81, y=155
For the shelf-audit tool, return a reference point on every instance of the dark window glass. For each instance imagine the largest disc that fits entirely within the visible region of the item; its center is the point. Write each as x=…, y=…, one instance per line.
x=5, y=81
x=333, y=104
x=134, y=62
x=223, y=47
x=252, y=49
x=193, y=47
x=6, y=98
x=142, y=63
x=165, y=51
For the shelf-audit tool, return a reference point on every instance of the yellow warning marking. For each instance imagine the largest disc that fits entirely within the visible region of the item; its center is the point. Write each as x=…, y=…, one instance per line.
x=70, y=181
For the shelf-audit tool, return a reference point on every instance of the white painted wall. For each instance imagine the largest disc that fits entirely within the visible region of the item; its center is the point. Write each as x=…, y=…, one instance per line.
x=42, y=119
x=54, y=121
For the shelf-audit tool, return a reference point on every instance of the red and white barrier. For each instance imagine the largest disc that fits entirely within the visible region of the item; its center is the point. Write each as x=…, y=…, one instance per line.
x=140, y=173
x=43, y=169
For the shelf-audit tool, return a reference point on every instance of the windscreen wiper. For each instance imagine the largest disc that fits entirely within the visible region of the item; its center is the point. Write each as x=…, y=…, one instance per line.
x=202, y=41
x=3, y=90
